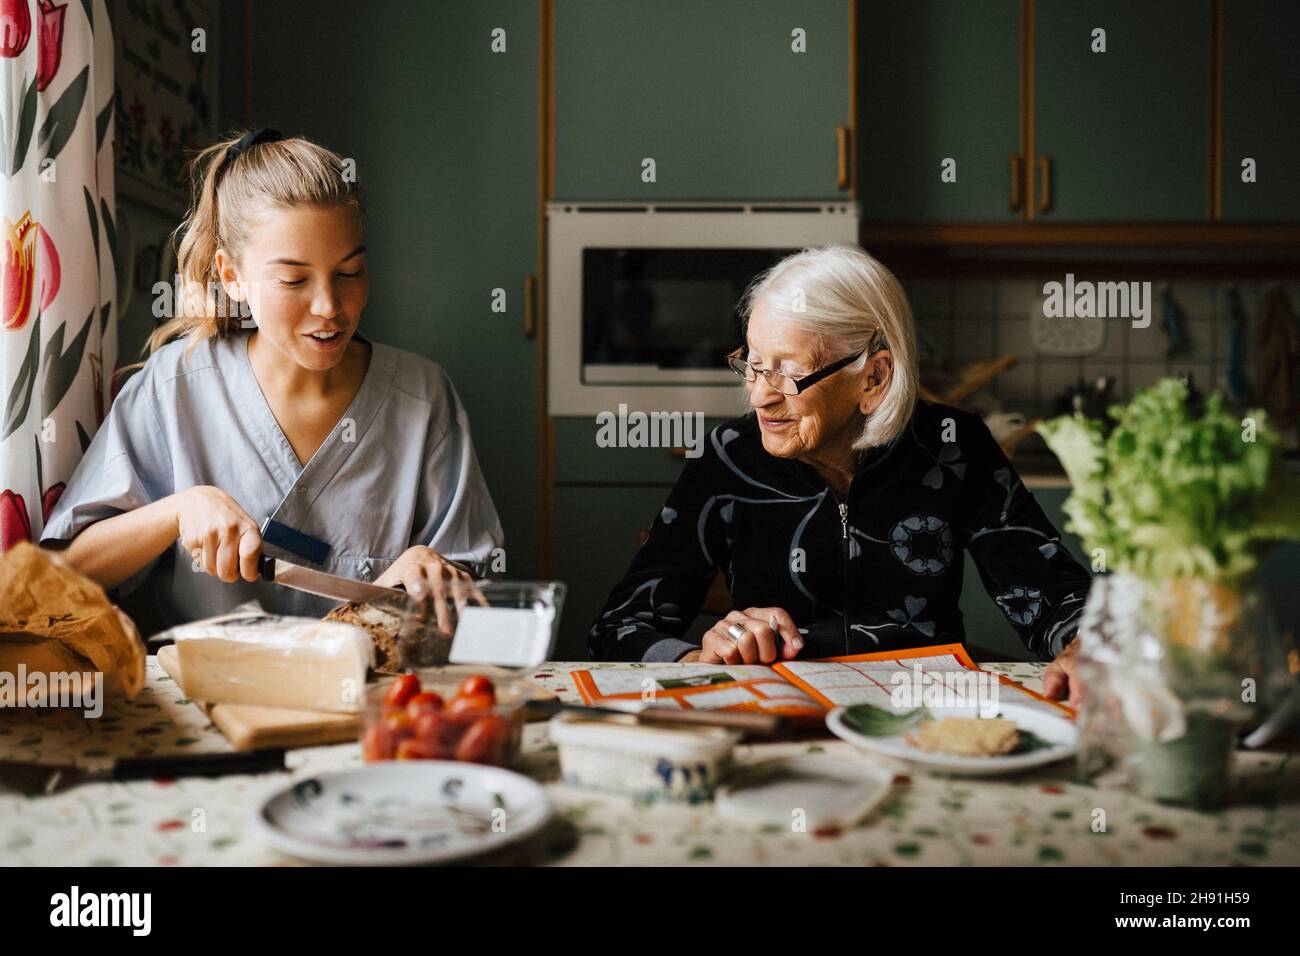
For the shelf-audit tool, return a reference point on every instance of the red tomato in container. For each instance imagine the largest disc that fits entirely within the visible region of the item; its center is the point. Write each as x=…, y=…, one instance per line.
x=476, y=685
x=401, y=690
x=377, y=744
x=397, y=723
x=484, y=742
x=466, y=703
x=424, y=702
x=413, y=748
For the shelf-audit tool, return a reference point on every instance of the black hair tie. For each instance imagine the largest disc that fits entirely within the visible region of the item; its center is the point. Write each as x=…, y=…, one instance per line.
x=263, y=135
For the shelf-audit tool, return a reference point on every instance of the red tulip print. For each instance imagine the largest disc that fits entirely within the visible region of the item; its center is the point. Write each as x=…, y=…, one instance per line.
x=49, y=50
x=15, y=27
x=49, y=500
x=15, y=526
x=26, y=246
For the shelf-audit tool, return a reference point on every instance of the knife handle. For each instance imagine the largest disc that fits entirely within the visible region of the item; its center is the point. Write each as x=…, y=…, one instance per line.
x=266, y=568
x=296, y=542
x=198, y=765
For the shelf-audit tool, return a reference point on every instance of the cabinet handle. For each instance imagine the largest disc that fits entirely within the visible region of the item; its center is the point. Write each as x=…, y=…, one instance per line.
x=1045, y=175
x=1017, y=176
x=530, y=306
x=842, y=148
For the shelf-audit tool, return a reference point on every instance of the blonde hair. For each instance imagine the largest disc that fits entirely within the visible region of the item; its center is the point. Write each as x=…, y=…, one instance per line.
x=227, y=194
x=851, y=303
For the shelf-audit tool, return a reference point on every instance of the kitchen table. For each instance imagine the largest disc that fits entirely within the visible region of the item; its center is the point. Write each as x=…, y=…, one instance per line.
x=1044, y=817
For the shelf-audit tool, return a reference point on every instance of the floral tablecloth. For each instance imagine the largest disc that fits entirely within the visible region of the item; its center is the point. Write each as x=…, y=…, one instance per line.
x=1046, y=817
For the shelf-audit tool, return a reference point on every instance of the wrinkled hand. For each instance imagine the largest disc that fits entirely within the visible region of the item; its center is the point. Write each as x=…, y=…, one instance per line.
x=428, y=576
x=763, y=643
x=221, y=537
x=1061, y=676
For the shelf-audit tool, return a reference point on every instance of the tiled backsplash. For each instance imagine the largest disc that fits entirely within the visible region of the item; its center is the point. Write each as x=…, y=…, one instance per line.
x=963, y=320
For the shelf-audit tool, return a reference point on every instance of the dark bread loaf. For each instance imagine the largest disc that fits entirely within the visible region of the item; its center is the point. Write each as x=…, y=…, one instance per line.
x=424, y=645
x=385, y=628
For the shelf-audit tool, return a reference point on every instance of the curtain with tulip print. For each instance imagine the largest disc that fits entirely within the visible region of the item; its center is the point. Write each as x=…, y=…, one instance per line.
x=58, y=336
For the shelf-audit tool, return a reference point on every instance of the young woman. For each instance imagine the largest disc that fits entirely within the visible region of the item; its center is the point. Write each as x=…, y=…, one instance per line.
x=290, y=415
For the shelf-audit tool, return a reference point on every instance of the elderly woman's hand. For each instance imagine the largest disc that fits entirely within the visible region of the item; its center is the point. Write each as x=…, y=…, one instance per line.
x=426, y=574
x=770, y=635
x=1061, y=676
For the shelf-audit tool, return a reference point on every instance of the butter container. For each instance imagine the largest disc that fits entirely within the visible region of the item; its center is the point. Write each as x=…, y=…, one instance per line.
x=618, y=755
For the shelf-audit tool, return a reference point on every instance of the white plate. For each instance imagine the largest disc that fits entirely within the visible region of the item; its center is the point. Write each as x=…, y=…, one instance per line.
x=827, y=791
x=1059, y=732
x=403, y=812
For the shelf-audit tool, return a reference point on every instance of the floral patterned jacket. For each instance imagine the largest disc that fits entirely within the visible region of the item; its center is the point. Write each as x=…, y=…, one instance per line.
x=880, y=571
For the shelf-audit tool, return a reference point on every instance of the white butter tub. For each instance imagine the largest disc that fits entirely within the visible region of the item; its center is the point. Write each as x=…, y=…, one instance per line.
x=638, y=760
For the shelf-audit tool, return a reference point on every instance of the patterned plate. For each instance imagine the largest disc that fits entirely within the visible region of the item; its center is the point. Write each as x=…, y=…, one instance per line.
x=408, y=812
x=1049, y=738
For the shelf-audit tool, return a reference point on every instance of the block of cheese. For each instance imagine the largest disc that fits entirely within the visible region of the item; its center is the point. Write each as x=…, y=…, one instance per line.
x=298, y=663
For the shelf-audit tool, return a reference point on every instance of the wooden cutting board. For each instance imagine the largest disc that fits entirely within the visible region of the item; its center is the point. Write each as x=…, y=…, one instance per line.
x=251, y=728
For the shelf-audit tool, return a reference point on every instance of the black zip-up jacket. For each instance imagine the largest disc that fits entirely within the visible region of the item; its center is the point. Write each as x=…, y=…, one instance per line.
x=891, y=555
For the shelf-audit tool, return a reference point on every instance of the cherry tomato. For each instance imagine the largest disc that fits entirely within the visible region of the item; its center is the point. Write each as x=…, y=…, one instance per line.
x=397, y=723
x=461, y=704
x=477, y=684
x=484, y=742
x=428, y=726
x=377, y=744
x=424, y=702
x=401, y=690
x=416, y=749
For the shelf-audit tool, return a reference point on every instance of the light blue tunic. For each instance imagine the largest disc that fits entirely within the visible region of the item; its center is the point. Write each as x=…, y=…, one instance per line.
x=397, y=470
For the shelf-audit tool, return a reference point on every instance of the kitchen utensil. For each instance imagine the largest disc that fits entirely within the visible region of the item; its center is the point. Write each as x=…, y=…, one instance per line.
x=299, y=578
x=1236, y=373
x=758, y=725
x=971, y=378
x=34, y=780
x=403, y=813
x=1065, y=336
x=1174, y=323
x=248, y=727
x=1060, y=739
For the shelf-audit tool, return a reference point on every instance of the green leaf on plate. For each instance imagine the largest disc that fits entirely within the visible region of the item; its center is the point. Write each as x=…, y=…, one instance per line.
x=871, y=721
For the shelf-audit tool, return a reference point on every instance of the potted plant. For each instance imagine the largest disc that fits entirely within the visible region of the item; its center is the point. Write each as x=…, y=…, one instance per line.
x=1176, y=501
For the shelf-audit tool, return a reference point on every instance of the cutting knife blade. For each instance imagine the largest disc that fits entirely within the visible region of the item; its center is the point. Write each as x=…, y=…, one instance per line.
x=295, y=576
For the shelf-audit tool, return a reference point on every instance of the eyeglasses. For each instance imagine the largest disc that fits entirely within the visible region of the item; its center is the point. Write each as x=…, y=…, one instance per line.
x=784, y=383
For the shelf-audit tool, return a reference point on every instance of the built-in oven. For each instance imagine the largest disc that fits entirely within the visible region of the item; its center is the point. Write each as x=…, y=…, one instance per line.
x=643, y=300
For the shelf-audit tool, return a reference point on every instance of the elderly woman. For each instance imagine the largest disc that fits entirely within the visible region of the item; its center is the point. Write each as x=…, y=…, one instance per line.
x=839, y=506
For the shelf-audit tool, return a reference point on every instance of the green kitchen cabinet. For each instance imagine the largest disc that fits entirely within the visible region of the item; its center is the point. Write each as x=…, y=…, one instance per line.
x=938, y=110
x=1261, y=97
x=1124, y=133
x=716, y=94
x=438, y=106
x=596, y=533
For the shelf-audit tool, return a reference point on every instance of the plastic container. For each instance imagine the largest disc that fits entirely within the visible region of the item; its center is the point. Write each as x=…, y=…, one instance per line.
x=620, y=756
x=417, y=731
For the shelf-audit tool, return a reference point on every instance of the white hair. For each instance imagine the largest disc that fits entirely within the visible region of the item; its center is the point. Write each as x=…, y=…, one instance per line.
x=851, y=303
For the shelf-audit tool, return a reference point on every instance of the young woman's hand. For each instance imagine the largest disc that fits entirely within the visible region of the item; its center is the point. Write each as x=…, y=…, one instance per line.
x=770, y=634
x=220, y=536
x=426, y=574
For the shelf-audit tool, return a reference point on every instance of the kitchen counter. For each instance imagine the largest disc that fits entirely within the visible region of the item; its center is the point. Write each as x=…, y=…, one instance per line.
x=1045, y=817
